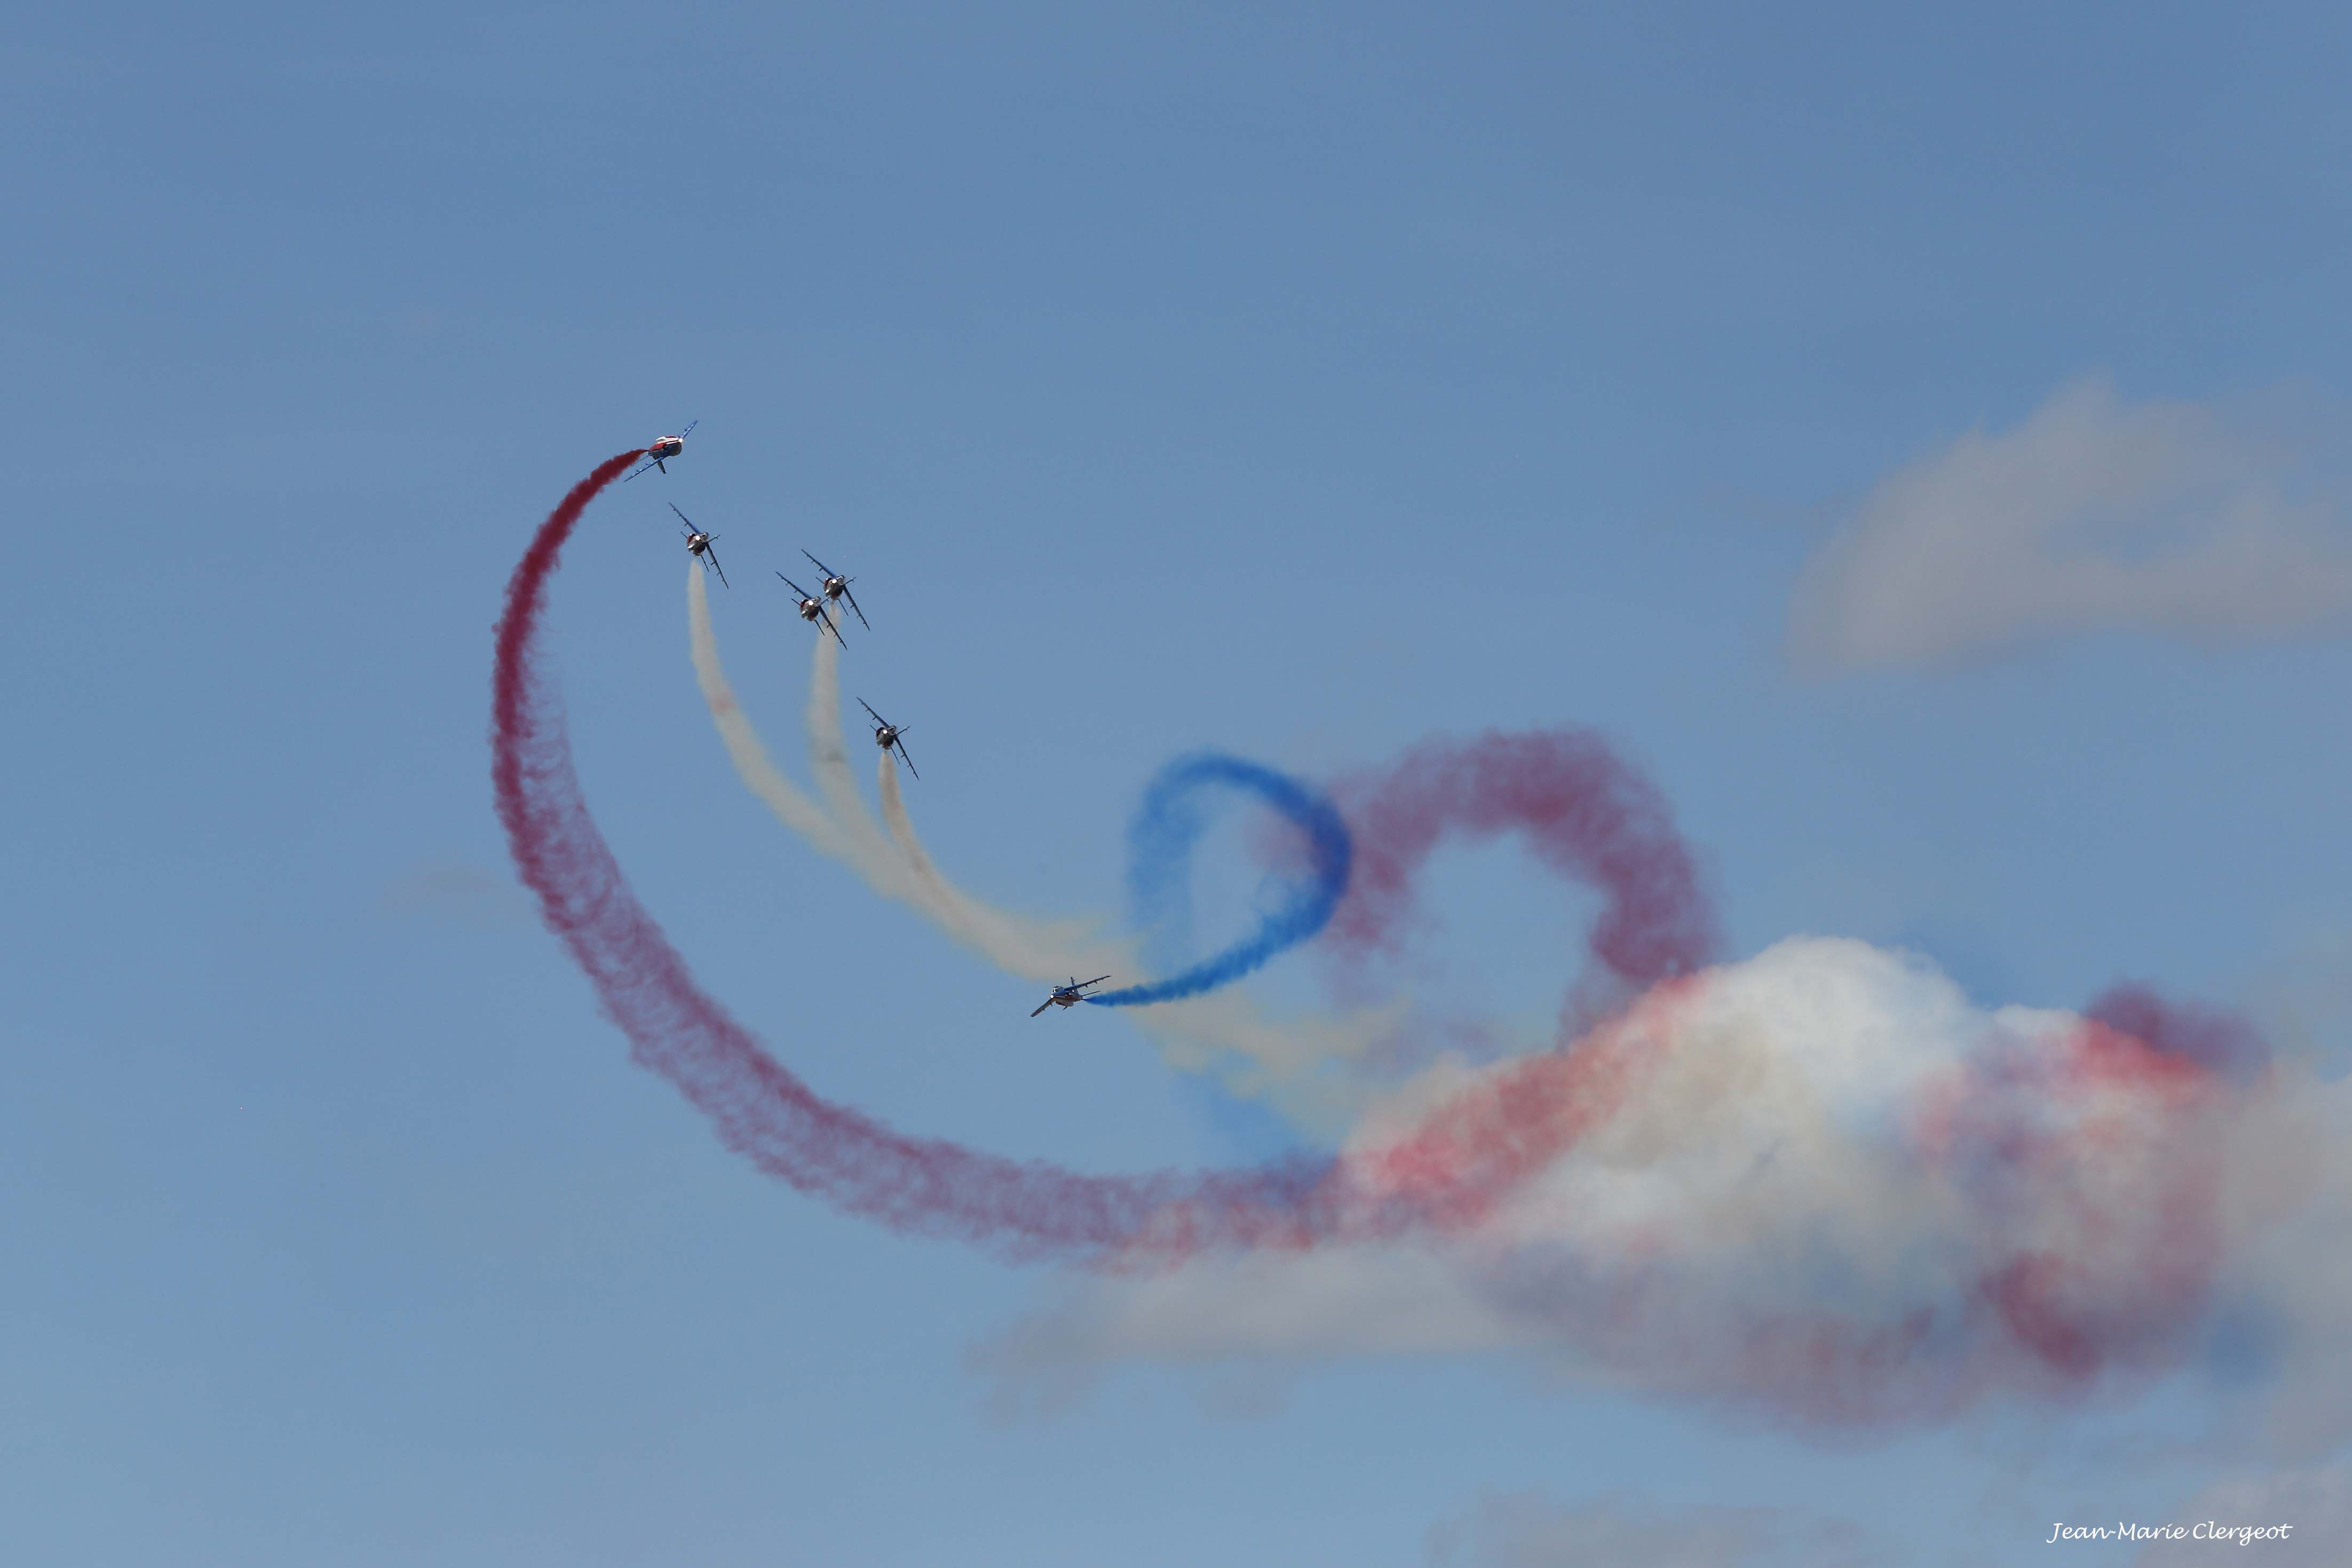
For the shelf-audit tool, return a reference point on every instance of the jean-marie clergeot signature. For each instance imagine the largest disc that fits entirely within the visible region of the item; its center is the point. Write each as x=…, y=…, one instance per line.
x=2209, y=1530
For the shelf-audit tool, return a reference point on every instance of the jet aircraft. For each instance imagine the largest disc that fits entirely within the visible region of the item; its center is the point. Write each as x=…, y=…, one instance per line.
x=837, y=586
x=697, y=545
x=885, y=735
x=813, y=609
x=1069, y=996
x=668, y=447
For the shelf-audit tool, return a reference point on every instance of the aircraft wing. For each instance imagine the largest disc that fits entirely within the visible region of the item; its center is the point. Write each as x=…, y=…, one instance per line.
x=1042, y=1005
x=715, y=566
x=852, y=605
x=908, y=760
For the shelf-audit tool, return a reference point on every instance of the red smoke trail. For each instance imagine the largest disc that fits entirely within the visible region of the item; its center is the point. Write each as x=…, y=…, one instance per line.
x=2134, y=1188
x=2093, y=1155
x=1586, y=815
x=1023, y=1209
x=2215, y=1038
x=2084, y=1166
x=1589, y=817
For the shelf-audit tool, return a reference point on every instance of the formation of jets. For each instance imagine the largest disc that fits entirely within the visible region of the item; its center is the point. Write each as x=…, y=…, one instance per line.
x=823, y=609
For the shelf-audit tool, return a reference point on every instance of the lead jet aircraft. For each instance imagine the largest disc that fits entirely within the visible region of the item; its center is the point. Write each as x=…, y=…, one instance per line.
x=885, y=735
x=697, y=545
x=668, y=447
x=813, y=609
x=1070, y=995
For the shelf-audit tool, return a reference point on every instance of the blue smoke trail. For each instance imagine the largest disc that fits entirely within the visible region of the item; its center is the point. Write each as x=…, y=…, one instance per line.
x=1160, y=842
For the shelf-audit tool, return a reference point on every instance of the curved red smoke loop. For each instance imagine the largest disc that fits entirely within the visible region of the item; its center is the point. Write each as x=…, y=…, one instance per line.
x=1445, y=1173
x=1585, y=815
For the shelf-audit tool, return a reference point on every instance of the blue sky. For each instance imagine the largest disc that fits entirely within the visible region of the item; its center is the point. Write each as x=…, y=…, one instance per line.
x=1295, y=381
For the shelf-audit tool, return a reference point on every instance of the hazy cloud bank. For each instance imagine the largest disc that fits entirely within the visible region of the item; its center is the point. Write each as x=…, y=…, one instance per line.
x=2188, y=520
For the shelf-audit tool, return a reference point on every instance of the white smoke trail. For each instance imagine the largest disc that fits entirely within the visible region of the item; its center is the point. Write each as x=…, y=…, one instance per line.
x=793, y=809
x=844, y=829
x=829, y=763
x=1296, y=1064
x=1033, y=950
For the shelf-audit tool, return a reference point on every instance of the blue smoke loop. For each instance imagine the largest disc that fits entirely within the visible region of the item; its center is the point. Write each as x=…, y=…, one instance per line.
x=1160, y=842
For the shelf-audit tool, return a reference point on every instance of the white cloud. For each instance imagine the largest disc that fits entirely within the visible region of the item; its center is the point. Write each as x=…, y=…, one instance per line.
x=1824, y=1184
x=2174, y=518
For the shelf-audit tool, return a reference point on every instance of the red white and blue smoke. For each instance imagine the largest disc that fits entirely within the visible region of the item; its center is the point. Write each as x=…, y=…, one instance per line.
x=1818, y=1181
